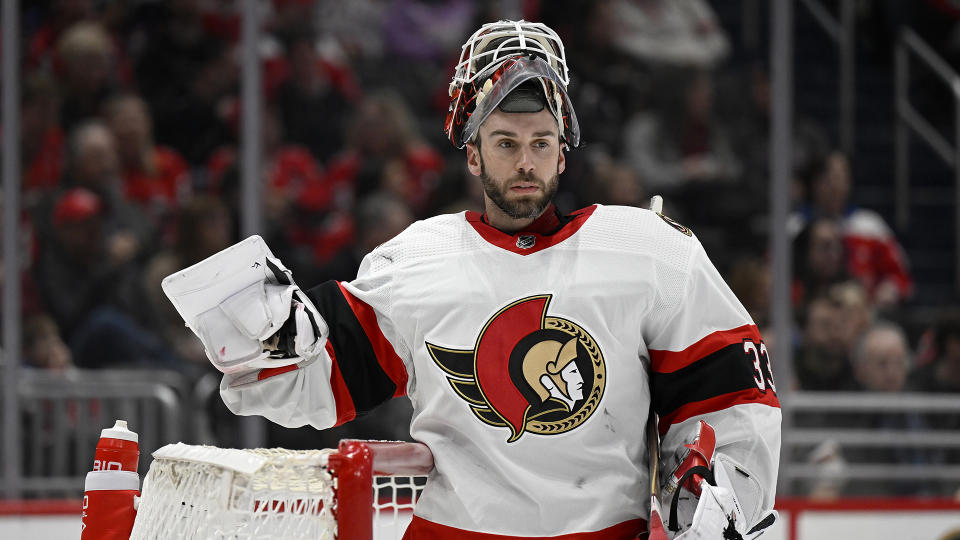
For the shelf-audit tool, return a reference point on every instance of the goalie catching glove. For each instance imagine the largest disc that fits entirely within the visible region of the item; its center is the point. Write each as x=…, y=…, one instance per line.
x=705, y=502
x=246, y=309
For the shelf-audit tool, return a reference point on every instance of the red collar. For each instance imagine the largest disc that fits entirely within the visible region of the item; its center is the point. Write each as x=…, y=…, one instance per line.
x=547, y=230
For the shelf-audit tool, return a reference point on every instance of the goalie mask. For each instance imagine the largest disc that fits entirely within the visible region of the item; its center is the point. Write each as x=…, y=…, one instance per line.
x=496, y=60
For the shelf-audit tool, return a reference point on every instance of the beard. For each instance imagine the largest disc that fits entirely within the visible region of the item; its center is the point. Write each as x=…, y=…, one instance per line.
x=526, y=207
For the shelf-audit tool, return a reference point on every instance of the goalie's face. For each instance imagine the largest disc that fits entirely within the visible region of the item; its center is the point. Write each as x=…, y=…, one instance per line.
x=518, y=157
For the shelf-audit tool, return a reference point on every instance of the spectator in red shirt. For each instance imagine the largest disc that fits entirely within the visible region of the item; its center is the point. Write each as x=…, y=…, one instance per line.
x=385, y=152
x=873, y=255
x=300, y=208
x=154, y=176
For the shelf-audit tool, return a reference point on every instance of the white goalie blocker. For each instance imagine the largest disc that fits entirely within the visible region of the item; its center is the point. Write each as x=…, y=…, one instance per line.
x=239, y=298
x=711, y=496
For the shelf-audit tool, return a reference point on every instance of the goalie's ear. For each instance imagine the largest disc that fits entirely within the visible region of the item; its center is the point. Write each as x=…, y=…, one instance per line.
x=474, y=159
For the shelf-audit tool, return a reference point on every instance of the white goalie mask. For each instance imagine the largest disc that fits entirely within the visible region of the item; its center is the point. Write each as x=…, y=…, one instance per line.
x=497, y=59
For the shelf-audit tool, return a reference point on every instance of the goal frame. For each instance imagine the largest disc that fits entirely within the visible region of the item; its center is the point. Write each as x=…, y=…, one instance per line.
x=352, y=492
x=355, y=465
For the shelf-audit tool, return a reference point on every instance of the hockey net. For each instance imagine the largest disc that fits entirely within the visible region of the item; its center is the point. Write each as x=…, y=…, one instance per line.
x=363, y=490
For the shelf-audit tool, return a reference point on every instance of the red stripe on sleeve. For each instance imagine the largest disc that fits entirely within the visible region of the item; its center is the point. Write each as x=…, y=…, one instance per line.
x=345, y=408
x=389, y=361
x=670, y=361
x=266, y=373
x=718, y=403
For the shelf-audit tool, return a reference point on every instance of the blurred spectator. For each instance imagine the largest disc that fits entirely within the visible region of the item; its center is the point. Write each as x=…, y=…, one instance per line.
x=42, y=139
x=750, y=280
x=681, y=143
x=91, y=293
x=458, y=191
x=379, y=217
x=669, y=32
x=750, y=124
x=605, y=92
x=823, y=362
x=193, y=100
x=94, y=163
x=315, y=100
x=54, y=18
x=818, y=260
x=87, y=62
x=174, y=44
x=42, y=345
x=942, y=375
x=154, y=176
x=306, y=218
x=873, y=255
x=75, y=271
x=616, y=184
x=202, y=229
x=385, y=152
x=856, y=312
x=881, y=359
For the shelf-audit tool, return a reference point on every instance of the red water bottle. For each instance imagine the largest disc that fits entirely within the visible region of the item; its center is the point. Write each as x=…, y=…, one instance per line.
x=117, y=450
x=108, y=511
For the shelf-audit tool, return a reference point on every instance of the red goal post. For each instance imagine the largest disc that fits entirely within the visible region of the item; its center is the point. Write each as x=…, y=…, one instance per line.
x=347, y=493
x=358, y=465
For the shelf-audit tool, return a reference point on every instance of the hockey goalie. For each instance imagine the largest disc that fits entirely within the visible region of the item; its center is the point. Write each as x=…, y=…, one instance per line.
x=532, y=343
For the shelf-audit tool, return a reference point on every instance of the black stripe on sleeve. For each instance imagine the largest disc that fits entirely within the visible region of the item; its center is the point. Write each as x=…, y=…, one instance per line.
x=368, y=384
x=725, y=371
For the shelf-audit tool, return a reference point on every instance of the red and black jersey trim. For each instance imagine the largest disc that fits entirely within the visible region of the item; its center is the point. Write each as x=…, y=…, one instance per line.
x=711, y=375
x=548, y=230
x=366, y=370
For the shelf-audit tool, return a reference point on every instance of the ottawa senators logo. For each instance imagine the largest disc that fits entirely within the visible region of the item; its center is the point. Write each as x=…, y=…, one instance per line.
x=527, y=371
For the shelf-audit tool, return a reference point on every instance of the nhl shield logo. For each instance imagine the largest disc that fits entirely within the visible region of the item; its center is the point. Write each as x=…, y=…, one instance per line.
x=526, y=241
x=528, y=372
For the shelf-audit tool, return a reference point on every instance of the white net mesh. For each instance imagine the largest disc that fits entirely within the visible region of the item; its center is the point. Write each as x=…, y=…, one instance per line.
x=393, y=500
x=214, y=493
x=204, y=492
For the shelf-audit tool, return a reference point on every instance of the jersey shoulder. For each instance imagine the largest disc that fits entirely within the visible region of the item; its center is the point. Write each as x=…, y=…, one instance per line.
x=642, y=232
x=435, y=236
x=645, y=239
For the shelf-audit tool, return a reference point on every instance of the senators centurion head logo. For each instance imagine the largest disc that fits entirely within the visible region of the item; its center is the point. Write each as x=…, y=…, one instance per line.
x=528, y=372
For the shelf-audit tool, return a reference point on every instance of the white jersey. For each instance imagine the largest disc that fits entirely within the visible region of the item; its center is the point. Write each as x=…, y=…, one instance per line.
x=532, y=362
